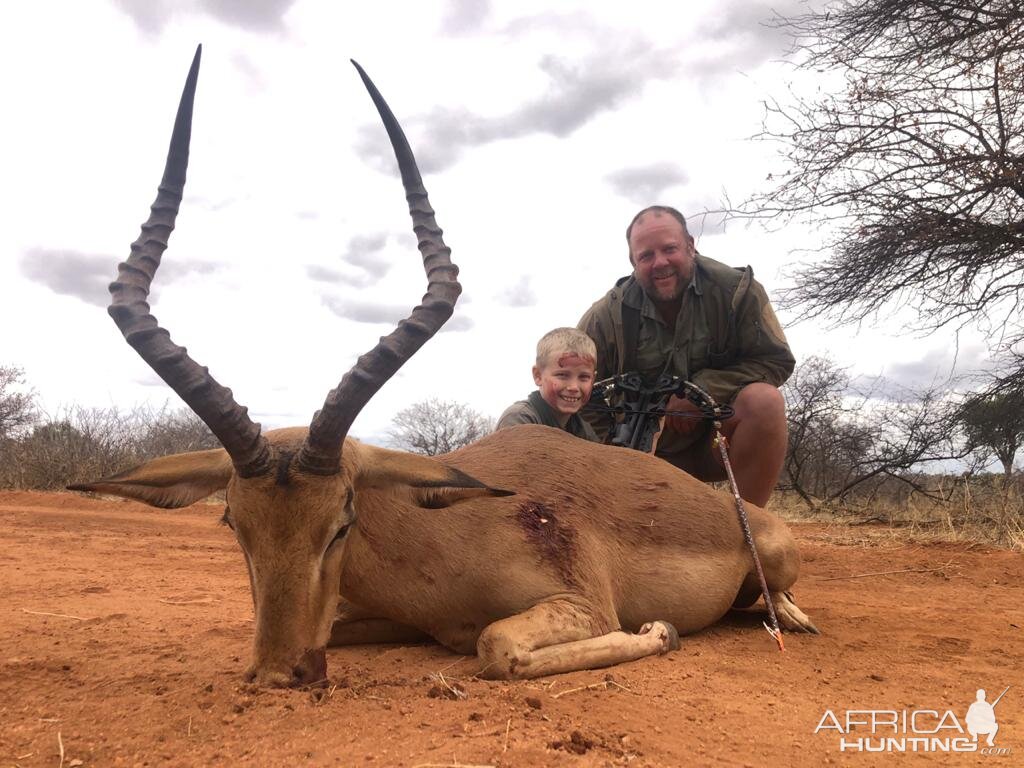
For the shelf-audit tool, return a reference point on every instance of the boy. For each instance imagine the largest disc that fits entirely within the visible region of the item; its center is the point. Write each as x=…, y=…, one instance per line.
x=564, y=375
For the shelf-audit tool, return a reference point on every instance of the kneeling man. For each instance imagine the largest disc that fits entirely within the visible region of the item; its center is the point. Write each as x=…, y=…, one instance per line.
x=684, y=314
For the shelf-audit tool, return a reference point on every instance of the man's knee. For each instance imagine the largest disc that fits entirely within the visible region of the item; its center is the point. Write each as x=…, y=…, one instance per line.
x=762, y=403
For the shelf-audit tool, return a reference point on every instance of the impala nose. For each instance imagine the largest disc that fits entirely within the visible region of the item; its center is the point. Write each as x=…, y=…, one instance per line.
x=312, y=668
x=310, y=671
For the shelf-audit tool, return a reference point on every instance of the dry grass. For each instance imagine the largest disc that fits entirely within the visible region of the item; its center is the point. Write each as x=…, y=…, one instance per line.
x=980, y=510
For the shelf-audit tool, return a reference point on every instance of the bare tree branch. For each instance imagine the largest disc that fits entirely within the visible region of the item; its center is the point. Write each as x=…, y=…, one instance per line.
x=916, y=164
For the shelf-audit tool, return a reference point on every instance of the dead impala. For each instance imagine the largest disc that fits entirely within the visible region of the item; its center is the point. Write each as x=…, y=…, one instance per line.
x=539, y=552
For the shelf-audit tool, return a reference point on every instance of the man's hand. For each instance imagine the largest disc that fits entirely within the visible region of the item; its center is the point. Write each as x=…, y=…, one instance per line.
x=682, y=424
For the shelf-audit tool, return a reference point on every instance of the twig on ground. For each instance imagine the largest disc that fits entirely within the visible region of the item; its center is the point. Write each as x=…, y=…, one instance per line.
x=60, y=743
x=24, y=757
x=476, y=675
x=603, y=684
x=886, y=573
x=456, y=662
x=456, y=764
x=457, y=693
x=188, y=731
x=508, y=725
x=620, y=685
x=490, y=732
x=197, y=601
x=592, y=686
x=58, y=615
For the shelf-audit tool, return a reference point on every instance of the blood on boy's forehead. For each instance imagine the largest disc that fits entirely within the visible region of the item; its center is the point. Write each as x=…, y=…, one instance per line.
x=572, y=358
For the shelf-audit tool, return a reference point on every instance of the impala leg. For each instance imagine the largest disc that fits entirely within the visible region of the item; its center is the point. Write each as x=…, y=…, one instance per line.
x=354, y=625
x=781, y=562
x=551, y=638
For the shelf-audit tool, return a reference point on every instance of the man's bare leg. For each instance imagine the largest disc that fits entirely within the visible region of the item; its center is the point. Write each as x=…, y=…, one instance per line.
x=757, y=438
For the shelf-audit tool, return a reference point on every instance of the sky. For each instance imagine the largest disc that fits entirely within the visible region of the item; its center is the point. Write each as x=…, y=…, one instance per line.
x=540, y=129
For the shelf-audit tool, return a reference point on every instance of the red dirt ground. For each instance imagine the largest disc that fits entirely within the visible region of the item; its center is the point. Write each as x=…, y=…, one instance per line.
x=144, y=665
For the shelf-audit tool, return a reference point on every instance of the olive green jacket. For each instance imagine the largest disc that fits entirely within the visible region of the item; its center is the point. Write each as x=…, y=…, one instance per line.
x=726, y=335
x=535, y=410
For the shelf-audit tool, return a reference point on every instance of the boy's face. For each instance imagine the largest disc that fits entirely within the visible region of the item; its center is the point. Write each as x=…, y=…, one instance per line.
x=565, y=382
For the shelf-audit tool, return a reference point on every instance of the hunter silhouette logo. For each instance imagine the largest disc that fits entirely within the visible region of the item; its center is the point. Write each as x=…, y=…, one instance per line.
x=918, y=730
x=981, y=717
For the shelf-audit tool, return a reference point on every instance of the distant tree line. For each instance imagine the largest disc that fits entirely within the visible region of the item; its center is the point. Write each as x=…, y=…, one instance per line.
x=45, y=451
x=845, y=441
x=854, y=444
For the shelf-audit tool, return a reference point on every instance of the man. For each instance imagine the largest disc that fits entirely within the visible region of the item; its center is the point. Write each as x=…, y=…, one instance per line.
x=690, y=316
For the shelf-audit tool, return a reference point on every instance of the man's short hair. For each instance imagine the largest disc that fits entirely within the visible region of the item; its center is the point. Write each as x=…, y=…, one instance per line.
x=658, y=209
x=562, y=341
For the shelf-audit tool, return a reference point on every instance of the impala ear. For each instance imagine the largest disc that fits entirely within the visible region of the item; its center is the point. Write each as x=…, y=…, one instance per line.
x=434, y=483
x=170, y=481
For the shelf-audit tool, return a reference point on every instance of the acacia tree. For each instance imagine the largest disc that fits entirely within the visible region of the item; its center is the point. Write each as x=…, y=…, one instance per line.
x=916, y=163
x=994, y=424
x=437, y=426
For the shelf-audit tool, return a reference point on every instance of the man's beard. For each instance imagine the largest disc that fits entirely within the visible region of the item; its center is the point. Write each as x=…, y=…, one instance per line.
x=667, y=293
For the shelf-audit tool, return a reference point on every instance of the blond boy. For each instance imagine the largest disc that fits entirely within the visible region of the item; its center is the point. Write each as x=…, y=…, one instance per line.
x=564, y=375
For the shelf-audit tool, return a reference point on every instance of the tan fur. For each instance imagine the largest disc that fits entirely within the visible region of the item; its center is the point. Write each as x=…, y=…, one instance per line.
x=531, y=547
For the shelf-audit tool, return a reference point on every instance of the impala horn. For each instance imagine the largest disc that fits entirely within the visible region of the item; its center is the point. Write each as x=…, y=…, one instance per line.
x=213, y=403
x=321, y=453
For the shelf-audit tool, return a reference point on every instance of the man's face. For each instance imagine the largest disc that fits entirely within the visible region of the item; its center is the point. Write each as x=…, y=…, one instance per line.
x=662, y=255
x=565, y=382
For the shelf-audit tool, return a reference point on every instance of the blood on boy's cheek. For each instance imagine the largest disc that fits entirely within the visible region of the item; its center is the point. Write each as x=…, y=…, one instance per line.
x=566, y=382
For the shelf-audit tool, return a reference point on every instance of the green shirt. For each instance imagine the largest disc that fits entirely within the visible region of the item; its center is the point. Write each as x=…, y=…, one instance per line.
x=535, y=410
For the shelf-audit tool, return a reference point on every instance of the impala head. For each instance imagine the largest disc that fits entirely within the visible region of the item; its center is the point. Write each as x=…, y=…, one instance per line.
x=291, y=493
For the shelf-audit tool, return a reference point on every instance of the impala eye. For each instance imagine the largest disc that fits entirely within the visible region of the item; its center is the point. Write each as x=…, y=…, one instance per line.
x=338, y=536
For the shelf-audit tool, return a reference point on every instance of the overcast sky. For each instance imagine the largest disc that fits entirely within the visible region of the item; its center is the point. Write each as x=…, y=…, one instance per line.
x=539, y=132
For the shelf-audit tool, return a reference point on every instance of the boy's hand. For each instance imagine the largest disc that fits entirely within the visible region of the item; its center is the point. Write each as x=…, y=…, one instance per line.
x=682, y=424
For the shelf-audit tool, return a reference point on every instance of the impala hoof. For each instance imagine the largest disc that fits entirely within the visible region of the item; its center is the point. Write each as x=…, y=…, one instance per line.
x=790, y=616
x=668, y=634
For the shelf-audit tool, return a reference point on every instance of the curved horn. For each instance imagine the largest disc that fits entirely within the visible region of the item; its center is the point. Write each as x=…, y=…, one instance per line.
x=321, y=453
x=213, y=403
